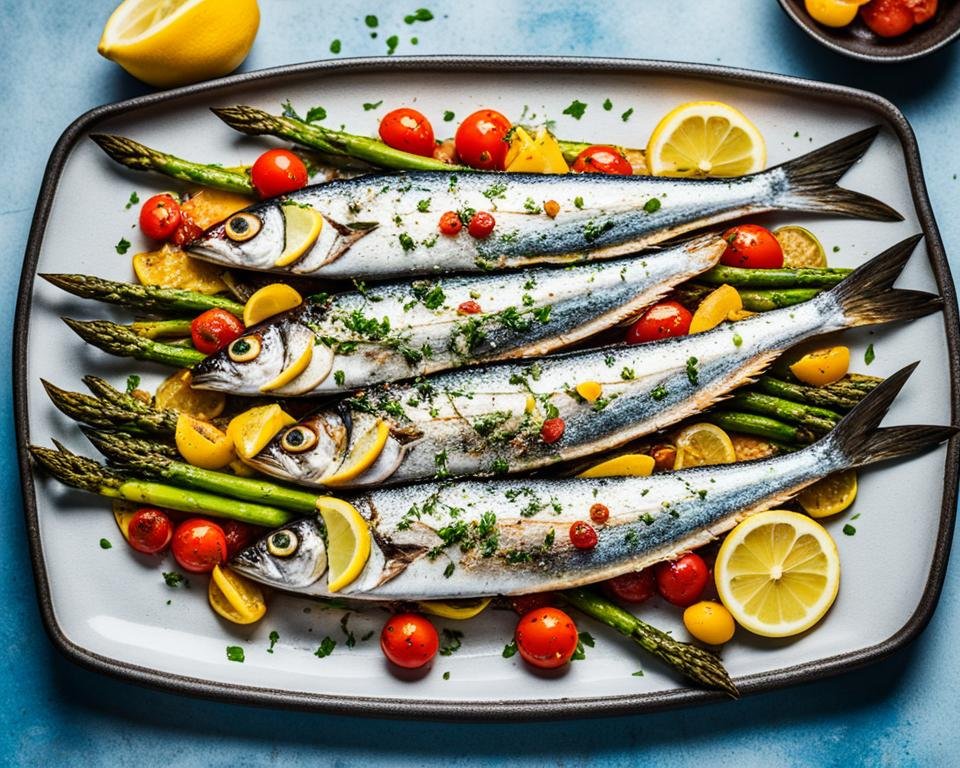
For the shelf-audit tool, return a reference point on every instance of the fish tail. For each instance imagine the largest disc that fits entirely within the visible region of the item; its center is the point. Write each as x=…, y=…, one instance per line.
x=867, y=296
x=862, y=441
x=812, y=181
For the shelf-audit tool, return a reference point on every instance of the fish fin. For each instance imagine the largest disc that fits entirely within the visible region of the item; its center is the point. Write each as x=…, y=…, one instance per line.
x=396, y=557
x=347, y=235
x=812, y=181
x=867, y=296
x=861, y=440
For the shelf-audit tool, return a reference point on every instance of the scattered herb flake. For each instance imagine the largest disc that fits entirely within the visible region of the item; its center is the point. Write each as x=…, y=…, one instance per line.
x=869, y=356
x=423, y=205
x=576, y=109
x=628, y=374
x=638, y=673
x=446, y=675
x=105, y=544
x=315, y=114
x=392, y=42
x=123, y=246
x=133, y=381
x=274, y=637
x=510, y=649
x=369, y=106
x=849, y=530
x=134, y=199
x=371, y=21
x=289, y=111
x=326, y=647
x=451, y=641
x=339, y=377
x=737, y=339
x=607, y=104
x=578, y=202
x=693, y=375
x=652, y=205
x=407, y=242
x=421, y=14
x=335, y=46
x=836, y=249
x=175, y=579
x=235, y=653
x=659, y=392
x=626, y=115
x=448, y=116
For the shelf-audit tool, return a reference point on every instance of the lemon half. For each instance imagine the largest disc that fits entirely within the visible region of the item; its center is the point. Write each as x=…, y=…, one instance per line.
x=700, y=445
x=348, y=541
x=269, y=301
x=251, y=430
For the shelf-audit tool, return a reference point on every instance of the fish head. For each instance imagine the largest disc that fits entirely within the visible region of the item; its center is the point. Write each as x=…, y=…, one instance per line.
x=307, y=451
x=293, y=557
x=253, y=238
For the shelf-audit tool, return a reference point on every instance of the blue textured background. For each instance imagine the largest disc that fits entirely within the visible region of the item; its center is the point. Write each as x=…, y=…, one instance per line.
x=898, y=712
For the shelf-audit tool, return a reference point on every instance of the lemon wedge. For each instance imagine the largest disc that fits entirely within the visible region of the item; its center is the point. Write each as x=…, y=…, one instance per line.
x=589, y=390
x=800, y=247
x=829, y=496
x=628, y=465
x=177, y=394
x=534, y=155
x=700, y=445
x=123, y=512
x=363, y=452
x=303, y=225
x=251, y=430
x=723, y=303
x=235, y=598
x=172, y=268
x=457, y=610
x=269, y=301
x=202, y=444
x=290, y=372
x=778, y=573
x=174, y=42
x=823, y=366
x=348, y=541
x=705, y=138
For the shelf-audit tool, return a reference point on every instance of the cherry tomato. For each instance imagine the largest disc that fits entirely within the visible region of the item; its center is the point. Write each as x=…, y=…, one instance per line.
x=923, y=10
x=215, y=329
x=149, y=530
x=450, y=223
x=682, y=581
x=601, y=158
x=546, y=637
x=664, y=457
x=239, y=535
x=599, y=513
x=583, y=535
x=198, y=545
x=666, y=318
x=276, y=172
x=409, y=640
x=751, y=246
x=187, y=232
x=525, y=603
x=481, y=140
x=633, y=587
x=160, y=217
x=891, y=18
x=407, y=130
x=709, y=622
x=552, y=430
x=469, y=308
x=481, y=225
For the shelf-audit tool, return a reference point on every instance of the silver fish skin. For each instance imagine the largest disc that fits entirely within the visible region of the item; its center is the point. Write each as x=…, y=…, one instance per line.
x=487, y=421
x=385, y=226
x=401, y=330
x=510, y=537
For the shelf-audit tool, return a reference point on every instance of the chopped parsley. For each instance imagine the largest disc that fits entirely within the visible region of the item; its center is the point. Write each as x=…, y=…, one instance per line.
x=607, y=104
x=578, y=202
x=392, y=42
x=451, y=642
x=351, y=641
x=430, y=294
x=134, y=199
x=123, y=246
x=652, y=205
x=133, y=381
x=638, y=673
x=500, y=466
x=326, y=647
x=423, y=205
x=274, y=637
x=693, y=375
x=626, y=115
x=421, y=14
x=869, y=356
x=576, y=109
x=371, y=21
x=335, y=46
x=498, y=190
x=836, y=249
x=585, y=639
x=592, y=230
x=315, y=114
x=737, y=339
x=339, y=377
x=440, y=462
x=510, y=649
x=235, y=653
x=407, y=242
x=446, y=675
x=448, y=115
x=530, y=206
x=369, y=106
x=849, y=530
x=628, y=374
x=105, y=544
x=659, y=392
x=448, y=571
x=175, y=579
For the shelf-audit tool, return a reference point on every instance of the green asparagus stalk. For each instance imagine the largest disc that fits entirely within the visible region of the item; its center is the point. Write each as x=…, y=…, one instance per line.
x=693, y=662
x=101, y=414
x=817, y=420
x=740, y=277
x=137, y=458
x=143, y=298
x=161, y=329
x=124, y=342
x=139, y=445
x=841, y=395
x=754, y=300
x=134, y=155
x=787, y=435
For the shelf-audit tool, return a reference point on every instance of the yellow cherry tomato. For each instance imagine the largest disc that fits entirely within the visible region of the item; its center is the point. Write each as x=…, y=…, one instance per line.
x=709, y=622
x=822, y=367
x=832, y=13
x=202, y=444
x=589, y=390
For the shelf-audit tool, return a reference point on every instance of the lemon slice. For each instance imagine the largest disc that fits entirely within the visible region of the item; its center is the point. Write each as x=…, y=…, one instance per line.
x=177, y=394
x=778, y=573
x=628, y=465
x=172, y=268
x=175, y=42
x=363, y=452
x=829, y=496
x=123, y=512
x=290, y=372
x=251, y=430
x=303, y=225
x=723, y=303
x=539, y=155
x=700, y=445
x=800, y=248
x=348, y=541
x=705, y=138
x=235, y=598
x=458, y=610
x=202, y=444
x=269, y=301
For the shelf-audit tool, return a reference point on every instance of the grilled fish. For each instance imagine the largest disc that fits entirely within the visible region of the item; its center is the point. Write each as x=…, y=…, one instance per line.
x=510, y=537
x=487, y=421
x=384, y=226
x=404, y=329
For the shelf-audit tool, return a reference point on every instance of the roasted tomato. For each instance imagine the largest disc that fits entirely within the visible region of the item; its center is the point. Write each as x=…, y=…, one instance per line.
x=601, y=158
x=159, y=217
x=149, y=530
x=481, y=225
x=481, y=140
x=407, y=130
x=277, y=172
x=666, y=318
x=752, y=246
x=891, y=18
x=633, y=587
x=239, y=535
x=683, y=580
x=546, y=637
x=198, y=545
x=409, y=640
x=215, y=329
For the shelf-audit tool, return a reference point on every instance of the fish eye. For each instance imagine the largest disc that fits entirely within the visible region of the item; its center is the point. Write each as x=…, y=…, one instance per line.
x=242, y=227
x=298, y=439
x=282, y=543
x=244, y=349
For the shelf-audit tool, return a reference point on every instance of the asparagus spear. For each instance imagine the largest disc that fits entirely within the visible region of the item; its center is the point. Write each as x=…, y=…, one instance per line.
x=134, y=155
x=754, y=300
x=106, y=415
x=124, y=342
x=137, y=445
x=817, y=420
x=143, y=298
x=841, y=395
x=690, y=660
x=88, y=475
x=162, y=329
x=783, y=434
x=802, y=277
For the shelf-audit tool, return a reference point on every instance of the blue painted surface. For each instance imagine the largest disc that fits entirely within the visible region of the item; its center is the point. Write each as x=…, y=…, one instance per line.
x=898, y=712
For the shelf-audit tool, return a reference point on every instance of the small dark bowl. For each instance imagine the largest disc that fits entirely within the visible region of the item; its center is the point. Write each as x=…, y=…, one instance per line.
x=858, y=42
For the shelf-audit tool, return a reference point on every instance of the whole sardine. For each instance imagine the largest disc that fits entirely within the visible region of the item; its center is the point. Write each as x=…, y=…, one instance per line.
x=510, y=537
x=487, y=421
x=382, y=226
x=400, y=330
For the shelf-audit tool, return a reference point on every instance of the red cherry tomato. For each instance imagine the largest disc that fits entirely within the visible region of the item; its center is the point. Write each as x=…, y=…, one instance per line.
x=923, y=10
x=215, y=329
x=599, y=513
x=582, y=535
x=187, y=232
x=525, y=603
x=666, y=318
x=150, y=530
x=469, y=308
x=682, y=581
x=407, y=130
x=552, y=430
x=602, y=158
x=481, y=140
x=160, y=217
x=239, y=535
x=481, y=225
x=276, y=172
x=546, y=637
x=409, y=640
x=632, y=587
x=198, y=545
x=751, y=246
x=664, y=457
x=450, y=223
x=891, y=18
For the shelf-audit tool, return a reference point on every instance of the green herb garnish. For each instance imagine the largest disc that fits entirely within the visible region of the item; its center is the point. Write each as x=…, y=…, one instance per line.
x=235, y=653
x=576, y=109
x=326, y=647
x=123, y=246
